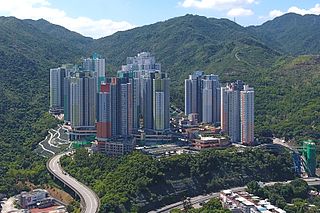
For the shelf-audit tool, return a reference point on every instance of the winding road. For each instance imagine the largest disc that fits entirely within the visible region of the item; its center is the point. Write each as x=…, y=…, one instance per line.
x=89, y=200
x=55, y=141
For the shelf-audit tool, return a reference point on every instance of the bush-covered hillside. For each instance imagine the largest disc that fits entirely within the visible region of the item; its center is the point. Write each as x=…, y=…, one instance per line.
x=140, y=182
x=287, y=87
x=293, y=197
x=26, y=54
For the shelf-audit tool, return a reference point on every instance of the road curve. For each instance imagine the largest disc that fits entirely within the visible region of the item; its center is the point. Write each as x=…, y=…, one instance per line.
x=89, y=200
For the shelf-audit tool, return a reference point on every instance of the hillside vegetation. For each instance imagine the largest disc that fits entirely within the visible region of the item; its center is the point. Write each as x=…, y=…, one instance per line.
x=286, y=84
x=293, y=197
x=291, y=34
x=138, y=182
x=26, y=54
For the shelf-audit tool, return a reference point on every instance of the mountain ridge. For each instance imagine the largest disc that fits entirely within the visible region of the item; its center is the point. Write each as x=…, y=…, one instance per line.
x=59, y=32
x=286, y=84
x=182, y=44
x=291, y=33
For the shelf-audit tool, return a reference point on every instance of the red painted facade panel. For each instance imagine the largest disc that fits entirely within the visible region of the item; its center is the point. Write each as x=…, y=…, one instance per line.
x=113, y=80
x=105, y=87
x=103, y=129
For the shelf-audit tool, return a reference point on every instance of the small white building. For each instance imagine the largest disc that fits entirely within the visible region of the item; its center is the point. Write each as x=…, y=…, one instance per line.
x=27, y=199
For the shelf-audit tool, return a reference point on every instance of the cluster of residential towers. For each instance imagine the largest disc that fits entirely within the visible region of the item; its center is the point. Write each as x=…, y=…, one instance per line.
x=111, y=109
x=231, y=107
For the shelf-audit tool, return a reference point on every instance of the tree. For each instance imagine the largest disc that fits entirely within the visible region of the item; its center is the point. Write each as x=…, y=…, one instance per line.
x=187, y=204
x=253, y=187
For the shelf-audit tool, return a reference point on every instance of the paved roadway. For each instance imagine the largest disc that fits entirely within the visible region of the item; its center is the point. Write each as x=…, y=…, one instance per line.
x=193, y=200
x=205, y=198
x=89, y=200
x=294, y=149
x=55, y=141
x=283, y=143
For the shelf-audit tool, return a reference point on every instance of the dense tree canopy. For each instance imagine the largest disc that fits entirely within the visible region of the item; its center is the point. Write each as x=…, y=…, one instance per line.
x=287, y=88
x=138, y=181
x=214, y=205
x=293, y=197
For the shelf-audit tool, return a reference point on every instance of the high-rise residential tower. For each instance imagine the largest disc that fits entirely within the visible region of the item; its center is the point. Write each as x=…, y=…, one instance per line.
x=114, y=106
x=161, y=102
x=57, y=76
x=142, y=63
x=144, y=74
x=210, y=99
x=104, y=112
x=80, y=90
x=202, y=96
x=237, y=112
x=230, y=112
x=146, y=102
x=193, y=94
x=114, y=117
x=125, y=108
x=247, y=115
x=97, y=65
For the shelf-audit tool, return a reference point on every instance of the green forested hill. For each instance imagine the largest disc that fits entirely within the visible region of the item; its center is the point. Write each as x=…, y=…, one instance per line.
x=22, y=38
x=140, y=183
x=189, y=43
x=26, y=54
x=287, y=87
x=282, y=83
x=57, y=32
x=291, y=33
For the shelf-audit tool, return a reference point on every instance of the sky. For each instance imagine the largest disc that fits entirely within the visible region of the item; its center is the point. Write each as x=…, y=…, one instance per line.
x=99, y=18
